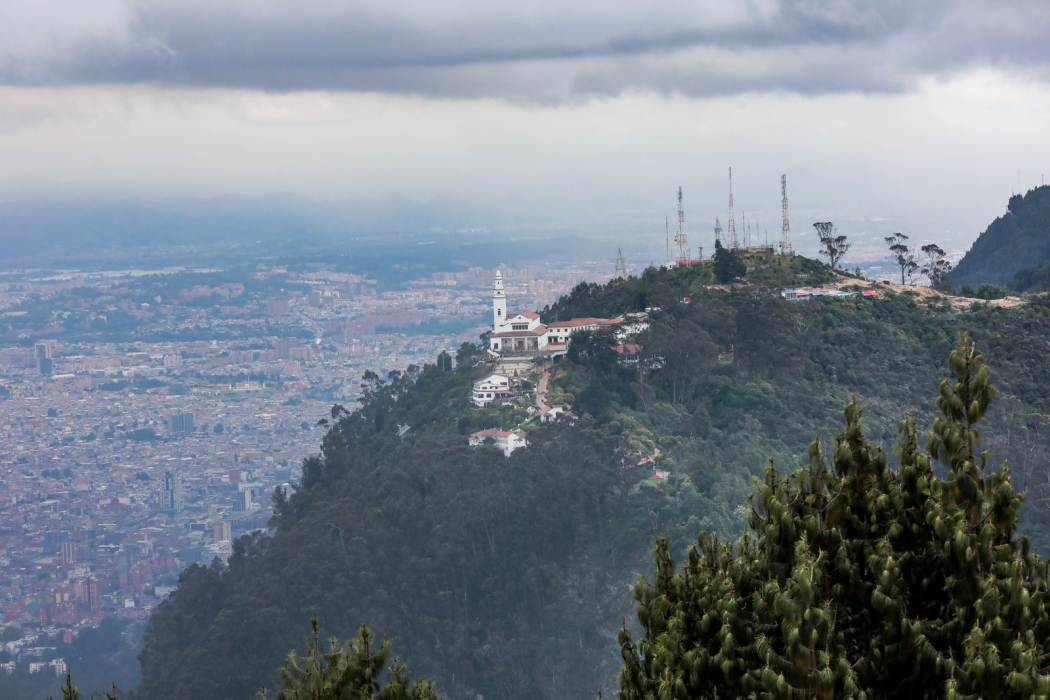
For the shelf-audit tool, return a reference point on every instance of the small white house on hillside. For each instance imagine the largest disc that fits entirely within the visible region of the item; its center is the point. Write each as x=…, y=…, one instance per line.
x=550, y=414
x=508, y=441
x=490, y=389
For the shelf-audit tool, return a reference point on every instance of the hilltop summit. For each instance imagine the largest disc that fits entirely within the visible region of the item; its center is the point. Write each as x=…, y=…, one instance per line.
x=1017, y=240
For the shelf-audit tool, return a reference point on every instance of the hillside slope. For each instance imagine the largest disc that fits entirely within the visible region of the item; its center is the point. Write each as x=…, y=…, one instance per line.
x=1017, y=240
x=509, y=577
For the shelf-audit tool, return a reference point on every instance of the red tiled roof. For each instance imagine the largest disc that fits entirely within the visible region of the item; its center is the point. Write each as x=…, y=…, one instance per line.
x=491, y=432
x=538, y=330
x=496, y=432
x=577, y=322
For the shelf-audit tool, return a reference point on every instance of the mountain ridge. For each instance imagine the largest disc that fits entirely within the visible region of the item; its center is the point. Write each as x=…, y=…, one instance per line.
x=507, y=577
x=1015, y=241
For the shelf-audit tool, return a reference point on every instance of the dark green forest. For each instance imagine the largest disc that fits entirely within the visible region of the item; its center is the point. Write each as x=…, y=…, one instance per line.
x=1013, y=247
x=859, y=580
x=510, y=577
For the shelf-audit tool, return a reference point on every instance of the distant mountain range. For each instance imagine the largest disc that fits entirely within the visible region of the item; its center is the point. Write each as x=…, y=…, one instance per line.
x=1012, y=245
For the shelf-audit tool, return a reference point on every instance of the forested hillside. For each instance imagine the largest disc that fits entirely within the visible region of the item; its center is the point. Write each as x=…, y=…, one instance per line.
x=1016, y=241
x=859, y=580
x=509, y=577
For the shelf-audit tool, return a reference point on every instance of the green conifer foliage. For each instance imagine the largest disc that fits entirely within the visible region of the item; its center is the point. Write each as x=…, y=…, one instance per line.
x=348, y=672
x=859, y=581
x=70, y=691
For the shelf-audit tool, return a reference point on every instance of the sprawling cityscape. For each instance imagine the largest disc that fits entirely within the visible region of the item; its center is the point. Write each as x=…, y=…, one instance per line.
x=148, y=416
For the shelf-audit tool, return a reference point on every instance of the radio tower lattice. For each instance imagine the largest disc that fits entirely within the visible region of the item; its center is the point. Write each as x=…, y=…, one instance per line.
x=731, y=226
x=621, y=264
x=681, y=238
x=718, y=230
x=785, y=225
x=667, y=241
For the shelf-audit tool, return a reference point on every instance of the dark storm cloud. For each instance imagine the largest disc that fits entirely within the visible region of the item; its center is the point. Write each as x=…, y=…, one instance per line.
x=540, y=51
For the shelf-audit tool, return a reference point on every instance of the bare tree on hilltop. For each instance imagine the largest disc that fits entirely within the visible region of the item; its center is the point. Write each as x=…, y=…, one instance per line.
x=833, y=246
x=901, y=255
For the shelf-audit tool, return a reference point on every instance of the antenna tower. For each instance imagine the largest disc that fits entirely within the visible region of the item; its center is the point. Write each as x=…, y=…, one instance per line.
x=621, y=264
x=667, y=241
x=731, y=226
x=785, y=226
x=718, y=230
x=681, y=238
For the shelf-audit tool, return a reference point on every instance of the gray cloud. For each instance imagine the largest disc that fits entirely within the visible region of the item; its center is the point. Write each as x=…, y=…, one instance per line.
x=542, y=51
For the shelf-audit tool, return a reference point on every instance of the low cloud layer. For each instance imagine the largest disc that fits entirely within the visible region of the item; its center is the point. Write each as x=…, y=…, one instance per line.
x=544, y=51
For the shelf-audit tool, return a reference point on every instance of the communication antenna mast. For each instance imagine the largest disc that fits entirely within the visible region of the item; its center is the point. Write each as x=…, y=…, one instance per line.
x=621, y=264
x=746, y=228
x=731, y=226
x=681, y=238
x=667, y=241
x=785, y=225
x=718, y=230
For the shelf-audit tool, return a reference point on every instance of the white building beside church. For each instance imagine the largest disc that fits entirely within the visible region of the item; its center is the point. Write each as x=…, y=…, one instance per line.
x=523, y=332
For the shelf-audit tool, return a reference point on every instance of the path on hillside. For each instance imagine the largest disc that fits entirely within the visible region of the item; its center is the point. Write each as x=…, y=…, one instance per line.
x=541, y=390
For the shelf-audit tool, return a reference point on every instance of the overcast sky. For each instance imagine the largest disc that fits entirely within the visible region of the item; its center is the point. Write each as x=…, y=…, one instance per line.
x=924, y=114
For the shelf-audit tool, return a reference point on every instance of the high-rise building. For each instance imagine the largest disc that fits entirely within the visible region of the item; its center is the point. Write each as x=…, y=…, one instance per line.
x=243, y=501
x=278, y=306
x=69, y=553
x=222, y=532
x=171, y=498
x=94, y=594
x=180, y=423
x=45, y=357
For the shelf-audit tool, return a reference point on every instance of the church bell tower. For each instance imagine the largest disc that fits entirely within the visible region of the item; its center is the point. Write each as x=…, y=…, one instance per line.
x=499, y=304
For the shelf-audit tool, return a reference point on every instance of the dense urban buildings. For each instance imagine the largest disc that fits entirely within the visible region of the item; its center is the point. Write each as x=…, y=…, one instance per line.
x=146, y=419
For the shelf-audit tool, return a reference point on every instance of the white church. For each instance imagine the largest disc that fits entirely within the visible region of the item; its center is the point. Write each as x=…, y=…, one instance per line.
x=523, y=333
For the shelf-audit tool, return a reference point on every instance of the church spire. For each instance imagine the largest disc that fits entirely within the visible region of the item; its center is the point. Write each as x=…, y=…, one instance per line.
x=499, y=304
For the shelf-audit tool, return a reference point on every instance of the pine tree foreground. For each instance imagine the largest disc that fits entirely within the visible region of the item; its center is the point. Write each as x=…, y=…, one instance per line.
x=70, y=692
x=353, y=671
x=861, y=581
x=350, y=672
